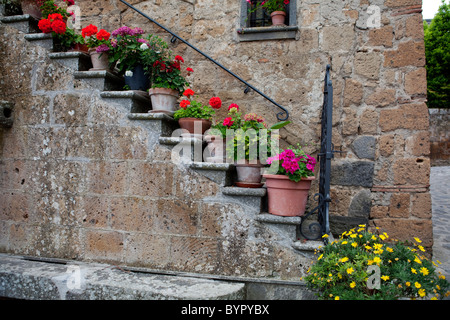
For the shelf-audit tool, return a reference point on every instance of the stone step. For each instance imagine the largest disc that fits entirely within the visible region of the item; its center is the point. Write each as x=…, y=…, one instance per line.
x=284, y=225
x=220, y=173
x=77, y=61
x=45, y=279
x=24, y=23
x=102, y=80
x=44, y=40
x=132, y=100
x=160, y=123
x=252, y=197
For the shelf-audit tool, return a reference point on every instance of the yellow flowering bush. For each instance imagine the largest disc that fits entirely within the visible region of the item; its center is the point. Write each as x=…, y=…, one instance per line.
x=361, y=265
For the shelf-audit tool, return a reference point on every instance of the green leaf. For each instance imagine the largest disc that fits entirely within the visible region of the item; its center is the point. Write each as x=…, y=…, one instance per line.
x=279, y=125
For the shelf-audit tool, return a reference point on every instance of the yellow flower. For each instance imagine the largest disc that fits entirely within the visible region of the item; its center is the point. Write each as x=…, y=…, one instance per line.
x=422, y=293
x=424, y=271
x=417, y=285
x=413, y=271
x=442, y=277
x=350, y=270
x=418, y=240
x=377, y=260
x=353, y=235
x=325, y=236
x=377, y=246
x=344, y=242
x=434, y=298
x=368, y=247
x=385, y=278
x=336, y=298
x=421, y=248
x=320, y=257
x=389, y=249
x=369, y=262
x=382, y=237
x=408, y=283
x=416, y=259
x=352, y=284
x=354, y=244
x=344, y=259
x=374, y=237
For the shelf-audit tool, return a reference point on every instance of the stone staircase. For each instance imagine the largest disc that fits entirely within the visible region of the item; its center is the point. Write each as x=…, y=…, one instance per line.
x=283, y=230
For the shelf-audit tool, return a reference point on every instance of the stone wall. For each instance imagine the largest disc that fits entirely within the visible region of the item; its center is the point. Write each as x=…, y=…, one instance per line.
x=440, y=137
x=82, y=181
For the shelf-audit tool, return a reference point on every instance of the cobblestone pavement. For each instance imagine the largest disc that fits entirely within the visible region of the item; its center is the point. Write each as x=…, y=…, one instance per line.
x=440, y=197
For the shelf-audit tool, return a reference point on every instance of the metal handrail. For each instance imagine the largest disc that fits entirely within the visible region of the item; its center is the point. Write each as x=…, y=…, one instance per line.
x=281, y=116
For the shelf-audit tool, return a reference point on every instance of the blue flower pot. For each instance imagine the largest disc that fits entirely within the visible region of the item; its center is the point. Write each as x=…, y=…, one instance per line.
x=139, y=80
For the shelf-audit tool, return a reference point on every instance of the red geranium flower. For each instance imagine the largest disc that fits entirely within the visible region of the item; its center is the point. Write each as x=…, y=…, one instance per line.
x=189, y=70
x=45, y=25
x=179, y=58
x=233, y=105
x=188, y=93
x=215, y=102
x=103, y=35
x=184, y=104
x=55, y=16
x=59, y=27
x=90, y=30
x=228, y=122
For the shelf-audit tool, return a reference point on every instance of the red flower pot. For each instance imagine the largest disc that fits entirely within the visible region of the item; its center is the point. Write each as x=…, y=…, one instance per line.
x=278, y=18
x=285, y=197
x=194, y=126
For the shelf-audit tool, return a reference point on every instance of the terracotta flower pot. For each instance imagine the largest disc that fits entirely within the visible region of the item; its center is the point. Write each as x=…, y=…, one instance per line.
x=285, y=197
x=278, y=18
x=77, y=47
x=249, y=175
x=163, y=100
x=216, y=148
x=99, y=60
x=194, y=126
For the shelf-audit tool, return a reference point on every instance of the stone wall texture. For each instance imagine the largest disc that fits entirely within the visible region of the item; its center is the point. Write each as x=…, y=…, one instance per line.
x=80, y=180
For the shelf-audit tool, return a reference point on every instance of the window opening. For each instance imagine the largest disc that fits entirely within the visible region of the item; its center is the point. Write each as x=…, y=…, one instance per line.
x=259, y=17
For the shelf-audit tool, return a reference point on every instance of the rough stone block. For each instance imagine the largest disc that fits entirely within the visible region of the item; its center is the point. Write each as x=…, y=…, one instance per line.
x=412, y=171
x=104, y=245
x=409, y=116
x=368, y=64
x=408, y=54
x=400, y=205
x=364, y=147
x=352, y=173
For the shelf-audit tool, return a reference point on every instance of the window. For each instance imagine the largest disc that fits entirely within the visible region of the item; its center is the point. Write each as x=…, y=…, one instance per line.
x=258, y=26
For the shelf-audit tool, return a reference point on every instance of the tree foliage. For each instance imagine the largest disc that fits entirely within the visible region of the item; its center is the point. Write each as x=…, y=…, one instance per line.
x=437, y=50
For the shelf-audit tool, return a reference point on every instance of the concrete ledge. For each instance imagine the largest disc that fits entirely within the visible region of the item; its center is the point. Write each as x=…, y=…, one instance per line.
x=58, y=280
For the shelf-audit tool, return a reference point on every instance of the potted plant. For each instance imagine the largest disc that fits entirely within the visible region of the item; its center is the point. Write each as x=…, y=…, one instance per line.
x=64, y=37
x=288, y=181
x=99, y=45
x=275, y=8
x=362, y=265
x=249, y=143
x=216, y=137
x=130, y=51
x=167, y=82
x=194, y=116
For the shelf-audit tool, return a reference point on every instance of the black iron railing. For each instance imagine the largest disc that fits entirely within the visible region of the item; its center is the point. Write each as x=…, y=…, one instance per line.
x=281, y=116
x=317, y=230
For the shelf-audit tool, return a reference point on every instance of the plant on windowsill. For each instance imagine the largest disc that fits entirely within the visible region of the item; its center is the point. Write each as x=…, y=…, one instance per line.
x=194, y=116
x=362, y=265
x=275, y=8
x=288, y=181
x=99, y=44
